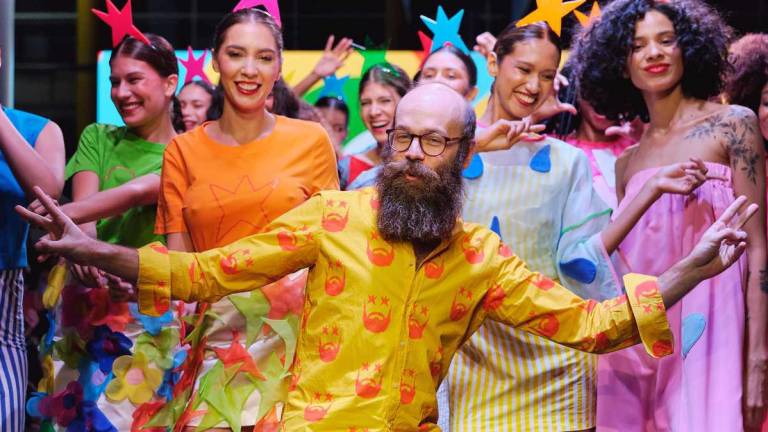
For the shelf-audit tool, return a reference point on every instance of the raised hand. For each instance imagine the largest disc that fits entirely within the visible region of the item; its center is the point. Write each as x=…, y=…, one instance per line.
x=723, y=242
x=633, y=130
x=333, y=56
x=485, y=43
x=553, y=106
x=681, y=178
x=64, y=237
x=503, y=134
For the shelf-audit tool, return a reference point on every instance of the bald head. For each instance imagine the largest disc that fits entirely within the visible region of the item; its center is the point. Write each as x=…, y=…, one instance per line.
x=438, y=101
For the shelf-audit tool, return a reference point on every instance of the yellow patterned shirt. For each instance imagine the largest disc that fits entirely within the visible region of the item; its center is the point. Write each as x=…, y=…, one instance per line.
x=379, y=329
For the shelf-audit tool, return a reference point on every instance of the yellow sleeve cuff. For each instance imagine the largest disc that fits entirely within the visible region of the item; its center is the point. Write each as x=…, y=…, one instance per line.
x=650, y=315
x=154, y=284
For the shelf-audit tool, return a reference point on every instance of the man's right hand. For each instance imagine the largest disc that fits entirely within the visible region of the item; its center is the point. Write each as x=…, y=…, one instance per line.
x=64, y=237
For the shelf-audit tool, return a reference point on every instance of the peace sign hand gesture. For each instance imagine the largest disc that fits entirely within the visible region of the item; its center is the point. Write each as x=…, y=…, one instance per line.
x=64, y=237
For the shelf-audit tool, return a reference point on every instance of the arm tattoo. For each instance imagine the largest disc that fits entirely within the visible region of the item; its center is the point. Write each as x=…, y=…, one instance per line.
x=736, y=128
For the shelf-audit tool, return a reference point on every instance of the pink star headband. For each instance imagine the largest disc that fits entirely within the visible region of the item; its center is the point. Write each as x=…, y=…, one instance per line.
x=121, y=22
x=269, y=5
x=194, y=66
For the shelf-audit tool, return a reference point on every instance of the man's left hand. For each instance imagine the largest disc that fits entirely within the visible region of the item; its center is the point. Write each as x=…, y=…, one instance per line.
x=723, y=242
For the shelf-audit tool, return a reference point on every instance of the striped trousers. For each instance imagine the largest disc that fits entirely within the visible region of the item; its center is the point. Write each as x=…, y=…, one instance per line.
x=13, y=353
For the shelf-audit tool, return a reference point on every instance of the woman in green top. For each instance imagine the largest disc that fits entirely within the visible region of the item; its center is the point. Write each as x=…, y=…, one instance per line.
x=103, y=357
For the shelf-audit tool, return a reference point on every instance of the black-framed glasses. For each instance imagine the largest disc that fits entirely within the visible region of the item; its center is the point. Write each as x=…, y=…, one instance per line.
x=432, y=143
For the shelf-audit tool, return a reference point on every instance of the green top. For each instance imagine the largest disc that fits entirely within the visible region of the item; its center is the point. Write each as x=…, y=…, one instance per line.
x=118, y=156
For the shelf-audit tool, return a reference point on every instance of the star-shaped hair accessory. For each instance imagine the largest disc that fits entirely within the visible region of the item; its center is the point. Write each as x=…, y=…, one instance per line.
x=334, y=86
x=121, y=22
x=373, y=54
x=426, y=46
x=269, y=5
x=445, y=30
x=195, y=66
x=551, y=11
x=585, y=20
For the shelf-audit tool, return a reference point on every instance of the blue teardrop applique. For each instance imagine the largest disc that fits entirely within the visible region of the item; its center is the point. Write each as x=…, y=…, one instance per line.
x=540, y=162
x=581, y=269
x=693, y=327
x=496, y=226
x=475, y=168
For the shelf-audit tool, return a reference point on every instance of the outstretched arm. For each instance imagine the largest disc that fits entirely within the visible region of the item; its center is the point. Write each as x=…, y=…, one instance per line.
x=681, y=178
x=65, y=238
x=290, y=243
x=543, y=307
x=138, y=192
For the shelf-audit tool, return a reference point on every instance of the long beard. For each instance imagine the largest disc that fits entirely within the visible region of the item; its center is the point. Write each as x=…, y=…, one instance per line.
x=422, y=210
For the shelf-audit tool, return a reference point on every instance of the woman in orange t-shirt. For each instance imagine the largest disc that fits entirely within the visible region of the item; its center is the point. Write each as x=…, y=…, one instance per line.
x=225, y=180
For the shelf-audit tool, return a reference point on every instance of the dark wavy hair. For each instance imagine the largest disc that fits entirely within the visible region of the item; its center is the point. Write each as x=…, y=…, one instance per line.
x=389, y=75
x=334, y=102
x=159, y=55
x=604, y=47
x=254, y=15
x=469, y=64
x=749, y=57
x=213, y=112
x=512, y=35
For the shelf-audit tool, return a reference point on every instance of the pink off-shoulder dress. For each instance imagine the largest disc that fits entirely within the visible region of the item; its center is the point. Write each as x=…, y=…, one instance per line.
x=699, y=387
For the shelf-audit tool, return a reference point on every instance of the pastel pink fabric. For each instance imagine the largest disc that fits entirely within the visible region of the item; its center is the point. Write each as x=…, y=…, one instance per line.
x=702, y=391
x=602, y=158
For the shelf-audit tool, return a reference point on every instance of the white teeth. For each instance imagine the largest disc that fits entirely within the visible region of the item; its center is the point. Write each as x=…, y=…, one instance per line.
x=248, y=87
x=130, y=105
x=526, y=98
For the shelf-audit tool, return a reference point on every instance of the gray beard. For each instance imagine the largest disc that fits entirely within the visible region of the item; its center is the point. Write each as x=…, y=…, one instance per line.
x=418, y=211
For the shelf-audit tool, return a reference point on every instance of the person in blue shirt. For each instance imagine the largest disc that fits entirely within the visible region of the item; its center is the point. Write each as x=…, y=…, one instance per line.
x=31, y=154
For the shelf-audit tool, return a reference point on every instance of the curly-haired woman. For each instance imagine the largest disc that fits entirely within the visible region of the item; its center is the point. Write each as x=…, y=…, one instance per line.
x=662, y=61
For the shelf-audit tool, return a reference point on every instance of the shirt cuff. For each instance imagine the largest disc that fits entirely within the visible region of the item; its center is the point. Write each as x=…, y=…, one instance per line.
x=650, y=315
x=154, y=283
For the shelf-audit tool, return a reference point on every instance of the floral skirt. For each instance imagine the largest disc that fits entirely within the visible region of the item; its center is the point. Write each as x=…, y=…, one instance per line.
x=103, y=360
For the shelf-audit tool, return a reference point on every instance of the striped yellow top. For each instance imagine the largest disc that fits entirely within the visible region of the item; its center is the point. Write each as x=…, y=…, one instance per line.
x=541, y=197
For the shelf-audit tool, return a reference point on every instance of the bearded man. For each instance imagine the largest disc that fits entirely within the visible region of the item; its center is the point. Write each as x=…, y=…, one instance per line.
x=397, y=282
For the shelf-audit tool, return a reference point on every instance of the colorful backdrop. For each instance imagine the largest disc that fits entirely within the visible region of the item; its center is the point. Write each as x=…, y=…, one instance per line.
x=296, y=65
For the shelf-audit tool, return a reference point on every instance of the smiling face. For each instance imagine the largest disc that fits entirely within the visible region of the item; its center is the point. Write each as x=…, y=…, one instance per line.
x=377, y=109
x=524, y=77
x=248, y=62
x=194, y=102
x=446, y=68
x=655, y=62
x=417, y=115
x=139, y=93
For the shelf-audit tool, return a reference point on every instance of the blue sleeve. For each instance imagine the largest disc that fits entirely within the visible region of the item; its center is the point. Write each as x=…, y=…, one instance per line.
x=28, y=125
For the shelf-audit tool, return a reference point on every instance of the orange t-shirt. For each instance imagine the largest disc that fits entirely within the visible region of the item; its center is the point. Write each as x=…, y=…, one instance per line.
x=219, y=193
